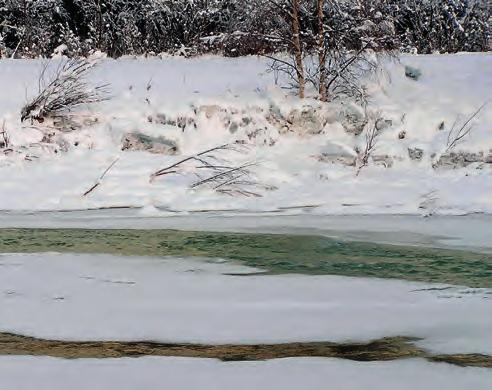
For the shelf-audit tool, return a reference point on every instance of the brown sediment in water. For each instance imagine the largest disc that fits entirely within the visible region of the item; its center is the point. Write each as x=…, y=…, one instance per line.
x=385, y=349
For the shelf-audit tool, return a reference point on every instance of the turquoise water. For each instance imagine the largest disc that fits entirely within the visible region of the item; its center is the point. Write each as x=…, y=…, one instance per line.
x=274, y=253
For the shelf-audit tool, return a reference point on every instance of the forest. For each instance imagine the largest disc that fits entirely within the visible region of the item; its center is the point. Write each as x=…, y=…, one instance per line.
x=38, y=28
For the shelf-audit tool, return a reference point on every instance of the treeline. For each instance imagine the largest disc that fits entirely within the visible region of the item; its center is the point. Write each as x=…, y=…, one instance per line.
x=31, y=28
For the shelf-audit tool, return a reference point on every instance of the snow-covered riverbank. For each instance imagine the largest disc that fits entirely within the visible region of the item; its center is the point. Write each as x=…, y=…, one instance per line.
x=304, y=152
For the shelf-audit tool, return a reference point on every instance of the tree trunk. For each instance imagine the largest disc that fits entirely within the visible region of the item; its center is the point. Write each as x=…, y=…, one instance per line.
x=99, y=27
x=296, y=39
x=323, y=92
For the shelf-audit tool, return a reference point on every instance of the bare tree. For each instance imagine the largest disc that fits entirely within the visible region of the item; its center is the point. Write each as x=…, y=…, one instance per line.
x=323, y=91
x=295, y=69
x=296, y=39
x=348, y=47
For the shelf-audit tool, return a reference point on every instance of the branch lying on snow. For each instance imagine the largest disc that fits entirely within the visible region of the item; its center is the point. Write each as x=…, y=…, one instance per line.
x=429, y=203
x=66, y=90
x=170, y=169
x=98, y=182
x=456, y=135
x=215, y=172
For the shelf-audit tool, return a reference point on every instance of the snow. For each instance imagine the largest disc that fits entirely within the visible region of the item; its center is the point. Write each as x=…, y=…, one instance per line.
x=191, y=374
x=450, y=85
x=101, y=297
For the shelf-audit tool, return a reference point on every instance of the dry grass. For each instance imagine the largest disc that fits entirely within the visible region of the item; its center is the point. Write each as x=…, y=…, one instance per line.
x=66, y=88
x=385, y=349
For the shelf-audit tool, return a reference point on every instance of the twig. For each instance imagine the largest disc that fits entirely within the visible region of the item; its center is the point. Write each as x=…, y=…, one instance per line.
x=99, y=180
x=5, y=136
x=222, y=174
x=166, y=171
x=454, y=138
x=371, y=138
x=215, y=172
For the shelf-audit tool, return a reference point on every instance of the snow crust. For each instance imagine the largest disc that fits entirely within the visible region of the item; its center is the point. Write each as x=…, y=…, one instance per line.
x=451, y=85
x=191, y=374
x=101, y=297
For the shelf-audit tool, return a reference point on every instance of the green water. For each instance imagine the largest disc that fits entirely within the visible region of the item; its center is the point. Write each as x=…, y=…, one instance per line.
x=274, y=253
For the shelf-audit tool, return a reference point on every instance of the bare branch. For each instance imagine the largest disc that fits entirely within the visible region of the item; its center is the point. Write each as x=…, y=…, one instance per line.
x=166, y=170
x=99, y=180
x=213, y=171
x=371, y=140
x=221, y=175
x=456, y=135
x=5, y=142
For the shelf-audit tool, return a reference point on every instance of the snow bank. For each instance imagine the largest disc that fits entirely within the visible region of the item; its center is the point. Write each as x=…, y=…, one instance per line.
x=197, y=374
x=101, y=297
x=304, y=151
